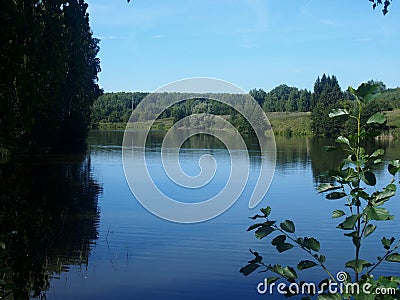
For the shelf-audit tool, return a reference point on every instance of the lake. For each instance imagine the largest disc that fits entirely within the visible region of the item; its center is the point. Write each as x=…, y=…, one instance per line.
x=73, y=229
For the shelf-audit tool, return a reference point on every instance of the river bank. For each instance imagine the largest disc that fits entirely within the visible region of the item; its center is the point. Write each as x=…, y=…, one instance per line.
x=283, y=124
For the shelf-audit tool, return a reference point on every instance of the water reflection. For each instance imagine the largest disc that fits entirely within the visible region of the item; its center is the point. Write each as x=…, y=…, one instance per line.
x=49, y=220
x=321, y=161
x=299, y=151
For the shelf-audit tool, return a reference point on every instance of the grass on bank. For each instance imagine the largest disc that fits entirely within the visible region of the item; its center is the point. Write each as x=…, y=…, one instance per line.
x=393, y=122
x=289, y=124
x=283, y=123
x=160, y=124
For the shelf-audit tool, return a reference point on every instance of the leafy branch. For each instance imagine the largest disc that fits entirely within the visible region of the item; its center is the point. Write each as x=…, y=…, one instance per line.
x=355, y=181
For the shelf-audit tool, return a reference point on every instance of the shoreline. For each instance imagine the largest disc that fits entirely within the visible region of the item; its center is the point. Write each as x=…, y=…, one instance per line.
x=282, y=123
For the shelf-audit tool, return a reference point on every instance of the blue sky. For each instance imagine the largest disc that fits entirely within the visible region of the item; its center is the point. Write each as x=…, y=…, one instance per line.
x=252, y=43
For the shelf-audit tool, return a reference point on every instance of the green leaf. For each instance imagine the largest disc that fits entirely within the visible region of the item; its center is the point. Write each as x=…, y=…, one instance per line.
x=351, y=234
x=321, y=258
x=369, y=178
x=335, y=195
x=366, y=91
x=358, y=264
x=342, y=140
x=391, y=187
x=394, y=167
x=369, y=229
x=324, y=187
x=266, y=211
x=272, y=279
x=336, y=112
x=257, y=258
x=311, y=243
x=277, y=269
x=378, y=213
x=289, y=273
x=288, y=226
x=385, y=195
x=256, y=217
x=349, y=222
x=278, y=240
x=338, y=213
x=357, y=192
x=2, y=245
x=377, y=153
x=250, y=268
x=323, y=285
x=306, y=264
x=254, y=226
x=395, y=257
x=284, y=247
x=378, y=118
x=387, y=242
x=263, y=231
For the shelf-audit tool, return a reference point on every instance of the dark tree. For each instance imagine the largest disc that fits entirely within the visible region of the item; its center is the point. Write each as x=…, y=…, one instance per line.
x=258, y=95
x=115, y=107
x=282, y=98
x=48, y=74
x=327, y=95
x=304, y=101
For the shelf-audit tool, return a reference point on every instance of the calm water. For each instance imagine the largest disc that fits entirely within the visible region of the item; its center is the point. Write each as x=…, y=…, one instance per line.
x=73, y=229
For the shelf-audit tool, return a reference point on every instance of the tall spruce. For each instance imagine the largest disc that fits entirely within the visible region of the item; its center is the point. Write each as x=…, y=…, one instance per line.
x=327, y=95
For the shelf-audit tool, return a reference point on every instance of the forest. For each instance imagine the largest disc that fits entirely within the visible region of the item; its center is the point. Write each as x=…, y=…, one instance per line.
x=48, y=75
x=50, y=97
x=283, y=100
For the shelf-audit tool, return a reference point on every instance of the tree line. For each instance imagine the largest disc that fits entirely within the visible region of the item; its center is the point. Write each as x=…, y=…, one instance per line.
x=48, y=75
x=326, y=95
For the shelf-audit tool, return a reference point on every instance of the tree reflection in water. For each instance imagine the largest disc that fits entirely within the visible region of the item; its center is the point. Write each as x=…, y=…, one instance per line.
x=49, y=220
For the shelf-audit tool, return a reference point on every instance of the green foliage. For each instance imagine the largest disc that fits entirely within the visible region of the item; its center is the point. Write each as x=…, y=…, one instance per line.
x=355, y=182
x=327, y=96
x=114, y=107
x=384, y=3
x=388, y=99
x=48, y=74
x=258, y=95
x=284, y=99
x=288, y=109
x=117, y=108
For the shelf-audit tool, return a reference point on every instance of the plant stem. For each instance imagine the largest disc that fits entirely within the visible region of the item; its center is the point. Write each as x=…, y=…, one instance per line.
x=309, y=252
x=358, y=151
x=383, y=258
